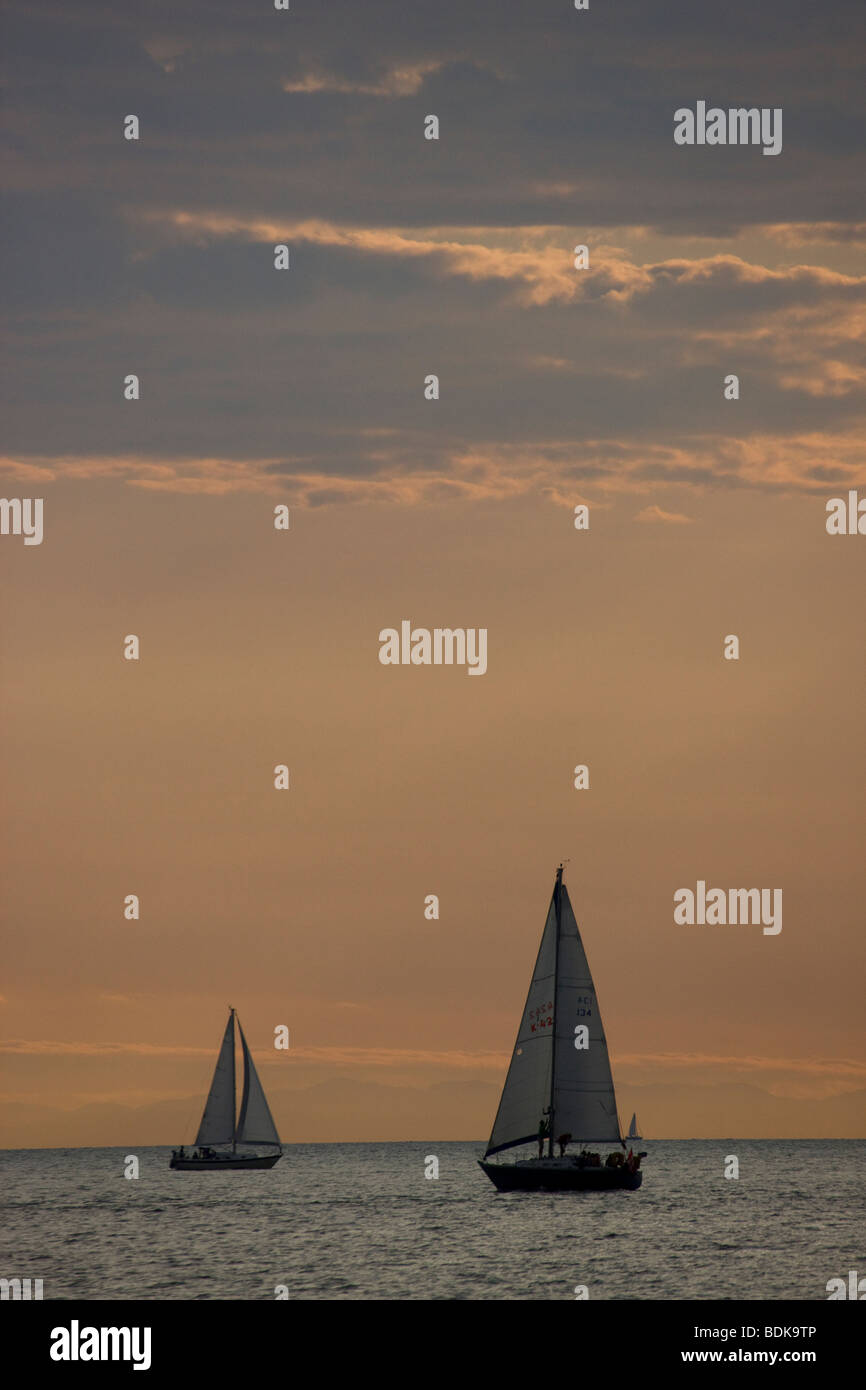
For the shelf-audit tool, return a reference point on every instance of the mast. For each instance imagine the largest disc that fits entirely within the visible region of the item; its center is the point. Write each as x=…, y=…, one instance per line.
x=551, y=1110
x=234, y=1086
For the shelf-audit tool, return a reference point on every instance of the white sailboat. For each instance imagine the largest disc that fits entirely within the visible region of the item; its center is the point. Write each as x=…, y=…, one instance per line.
x=254, y=1125
x=559, y=1087
x=633, y=1135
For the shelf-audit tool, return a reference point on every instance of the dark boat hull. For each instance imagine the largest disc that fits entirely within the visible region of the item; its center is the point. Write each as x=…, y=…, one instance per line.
x=545, y=1175
x=219, y=1165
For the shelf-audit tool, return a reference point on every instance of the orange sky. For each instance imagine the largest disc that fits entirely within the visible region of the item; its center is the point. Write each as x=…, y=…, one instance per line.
x=305, y=907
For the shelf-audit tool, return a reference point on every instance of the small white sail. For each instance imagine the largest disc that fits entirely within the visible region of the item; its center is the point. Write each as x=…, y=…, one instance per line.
x=632, y=1129
x=218, y=1121
x=577, y=1081
x=255, y=1123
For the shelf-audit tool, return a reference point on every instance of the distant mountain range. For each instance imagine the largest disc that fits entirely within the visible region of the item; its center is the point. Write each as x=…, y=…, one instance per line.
x=345, y=1109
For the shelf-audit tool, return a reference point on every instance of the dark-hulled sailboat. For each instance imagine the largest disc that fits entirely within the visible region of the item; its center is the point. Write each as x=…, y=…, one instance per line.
x=559, y=1087
x=253, y=1127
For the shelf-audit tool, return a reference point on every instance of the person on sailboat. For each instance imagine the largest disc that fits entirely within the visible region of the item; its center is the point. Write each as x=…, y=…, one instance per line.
x=563, y=1141
x=543, y=1131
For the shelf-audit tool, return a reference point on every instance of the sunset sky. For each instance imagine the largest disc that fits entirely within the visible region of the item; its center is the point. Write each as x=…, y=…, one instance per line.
x=558, y=386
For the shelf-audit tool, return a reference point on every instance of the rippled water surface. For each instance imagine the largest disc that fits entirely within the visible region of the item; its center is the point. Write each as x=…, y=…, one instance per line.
x=362, y=1221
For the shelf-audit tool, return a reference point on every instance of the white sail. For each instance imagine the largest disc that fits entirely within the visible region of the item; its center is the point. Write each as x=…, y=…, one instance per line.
x=584, y=1099
x=218, y=1121
x=255, y=1123
x=544, y=1072
x=632, y=1129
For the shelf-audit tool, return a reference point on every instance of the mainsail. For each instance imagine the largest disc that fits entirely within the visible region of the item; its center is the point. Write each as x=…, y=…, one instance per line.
x=632, y=1129
x=218, y=1121
x=255, y=1123
x=551, y=1074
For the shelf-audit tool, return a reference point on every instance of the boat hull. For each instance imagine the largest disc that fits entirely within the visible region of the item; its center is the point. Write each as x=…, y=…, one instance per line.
x=545, y=1175
x=219, y=1165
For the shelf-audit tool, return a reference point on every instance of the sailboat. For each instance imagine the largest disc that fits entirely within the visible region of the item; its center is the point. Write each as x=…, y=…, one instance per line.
x=254, y=1125
x=559, y=1087
x=633, y=1135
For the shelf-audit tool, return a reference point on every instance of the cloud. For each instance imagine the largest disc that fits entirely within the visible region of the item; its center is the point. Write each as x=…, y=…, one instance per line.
x=546, y=273
x=539, y=112
x=850, y=1068
x=401, y=81
x=827, y=377
x=538, y=263
x=801, y=1077
x=338, y=1056
x=411, y=256
x=825, y=1074
x=808, y=233
x=35, y=1047
x=655, y=513
x=407, y=471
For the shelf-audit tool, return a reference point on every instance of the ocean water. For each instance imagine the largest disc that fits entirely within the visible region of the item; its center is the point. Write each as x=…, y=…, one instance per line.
x=361, y=1221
